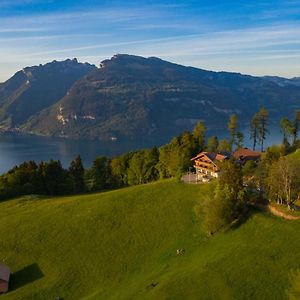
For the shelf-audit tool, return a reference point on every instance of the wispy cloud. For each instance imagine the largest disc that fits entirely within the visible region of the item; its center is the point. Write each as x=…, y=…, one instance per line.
x=21, y=30
x=207, y=35
x=53, y=37
x=14, y=3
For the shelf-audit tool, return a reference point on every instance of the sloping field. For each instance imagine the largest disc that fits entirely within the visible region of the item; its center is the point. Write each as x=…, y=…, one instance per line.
x=122, y=245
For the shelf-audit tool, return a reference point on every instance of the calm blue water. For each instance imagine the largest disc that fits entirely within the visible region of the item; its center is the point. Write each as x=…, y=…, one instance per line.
x=17, y=149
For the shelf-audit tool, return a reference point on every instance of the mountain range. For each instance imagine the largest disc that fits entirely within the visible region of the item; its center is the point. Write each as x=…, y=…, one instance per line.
x=132, y=97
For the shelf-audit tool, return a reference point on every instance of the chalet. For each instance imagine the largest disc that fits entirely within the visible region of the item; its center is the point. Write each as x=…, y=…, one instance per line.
x=207, y=165
x=243, y=155
x=4, y=278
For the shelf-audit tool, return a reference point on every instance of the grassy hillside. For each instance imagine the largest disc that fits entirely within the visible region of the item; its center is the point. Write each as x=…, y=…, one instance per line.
x=296, y=154
x=122, y=245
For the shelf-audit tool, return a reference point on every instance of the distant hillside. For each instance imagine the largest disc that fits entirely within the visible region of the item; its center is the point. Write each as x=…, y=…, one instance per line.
x=284, y=81
x=122, y=245
x=36, y=88
x=131, y=96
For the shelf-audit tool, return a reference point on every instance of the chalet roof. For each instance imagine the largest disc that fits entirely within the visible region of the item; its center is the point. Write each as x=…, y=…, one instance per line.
x=245, y=153
x=4, y=272
x=212, y=156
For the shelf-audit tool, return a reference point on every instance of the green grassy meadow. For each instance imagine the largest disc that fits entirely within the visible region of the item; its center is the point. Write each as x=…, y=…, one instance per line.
x=122, y=245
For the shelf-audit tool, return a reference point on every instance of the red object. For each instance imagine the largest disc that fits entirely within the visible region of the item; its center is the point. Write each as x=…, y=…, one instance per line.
x=4, y=278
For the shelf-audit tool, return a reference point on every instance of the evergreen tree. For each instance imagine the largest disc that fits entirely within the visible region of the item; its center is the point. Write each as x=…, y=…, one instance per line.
x=263, y=116
x=199, y=136
x=99, y=177
x=296, y=126
x=212, y=144
x=76, y=172
x=239, y=139
x=188, y=148
x=254, y=125
x=224, y=146
x=232, y=127
x=55, y=178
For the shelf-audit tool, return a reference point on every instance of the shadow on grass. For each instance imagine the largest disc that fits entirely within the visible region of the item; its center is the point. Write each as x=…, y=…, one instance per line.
x=25, y=276
x=250, y=211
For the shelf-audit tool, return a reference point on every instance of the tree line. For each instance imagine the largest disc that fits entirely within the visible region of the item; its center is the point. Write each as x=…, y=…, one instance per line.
x=137, y=167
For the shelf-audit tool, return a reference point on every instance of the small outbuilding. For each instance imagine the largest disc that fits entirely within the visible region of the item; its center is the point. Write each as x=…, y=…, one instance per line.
x=4, y=278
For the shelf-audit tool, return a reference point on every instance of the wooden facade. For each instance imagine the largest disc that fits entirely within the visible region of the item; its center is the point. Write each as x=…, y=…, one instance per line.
x=206, y=165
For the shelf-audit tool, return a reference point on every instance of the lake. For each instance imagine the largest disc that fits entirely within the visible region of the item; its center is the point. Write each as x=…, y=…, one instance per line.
x=17, y=149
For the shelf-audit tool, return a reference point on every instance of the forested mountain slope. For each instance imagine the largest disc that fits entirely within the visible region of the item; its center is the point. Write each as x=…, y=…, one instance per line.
x=34, y=88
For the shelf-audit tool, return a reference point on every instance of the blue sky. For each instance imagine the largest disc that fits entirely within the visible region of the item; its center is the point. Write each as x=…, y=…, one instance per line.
x=253, y=37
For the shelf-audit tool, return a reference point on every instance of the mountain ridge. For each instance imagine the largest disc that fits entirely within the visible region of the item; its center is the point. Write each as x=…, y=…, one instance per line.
x=135, y=97
x=35, y=88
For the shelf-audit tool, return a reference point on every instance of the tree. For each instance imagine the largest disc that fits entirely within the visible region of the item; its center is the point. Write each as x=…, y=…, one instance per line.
x=239, y=139
x=254, y=125
x=273, y=153
x=142, y=167
x=289, y=177
x=212, y=144
x=224, y=146
x=274, y=191
x=55, y=178
x=229, y=201
x=287, y=130
x=296, y=126
x=188, y=145
x=20, y=180
x=232, y=127
x=199, y=136
x=171, y=159
x=76, y=171
x=175, y=157
x=232, y=177
x=218, y=210
x=119, y=169
x=99, y=177
x=263, y=116
x=284, y=180
x=249, y=168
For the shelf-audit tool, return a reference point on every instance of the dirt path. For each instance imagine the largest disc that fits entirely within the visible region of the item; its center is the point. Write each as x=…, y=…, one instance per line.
x=273, y=210
x=279, y=213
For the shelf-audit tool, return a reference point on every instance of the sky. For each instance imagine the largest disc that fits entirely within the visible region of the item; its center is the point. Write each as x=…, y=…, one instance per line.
x=250, y=37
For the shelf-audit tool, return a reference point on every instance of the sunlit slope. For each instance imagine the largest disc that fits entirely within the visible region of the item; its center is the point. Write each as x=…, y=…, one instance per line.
x=122, y=245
